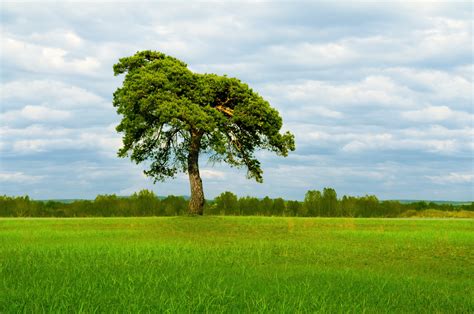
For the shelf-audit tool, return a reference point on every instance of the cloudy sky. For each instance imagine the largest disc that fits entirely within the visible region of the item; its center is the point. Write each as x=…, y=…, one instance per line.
x=378, y=95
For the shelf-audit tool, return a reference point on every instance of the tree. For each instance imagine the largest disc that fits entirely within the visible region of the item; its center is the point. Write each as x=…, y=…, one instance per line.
x=248, y=205
x=173, y=205
x=266, y=206
x=227, y=204
x=145, y=203
x=293, y=208
x=348, y=206
x=329, y=202
x=278, y=207
x=170, y=115
x=312, y=203
x=368, y=206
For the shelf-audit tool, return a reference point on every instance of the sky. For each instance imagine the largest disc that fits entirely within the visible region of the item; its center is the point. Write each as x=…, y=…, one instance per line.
x=379, y=95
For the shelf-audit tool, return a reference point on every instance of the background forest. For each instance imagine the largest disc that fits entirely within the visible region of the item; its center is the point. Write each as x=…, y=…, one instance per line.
x=315, y=204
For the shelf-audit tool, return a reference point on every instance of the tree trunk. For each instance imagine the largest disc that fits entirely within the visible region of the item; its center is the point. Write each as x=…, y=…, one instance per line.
x=196, y=203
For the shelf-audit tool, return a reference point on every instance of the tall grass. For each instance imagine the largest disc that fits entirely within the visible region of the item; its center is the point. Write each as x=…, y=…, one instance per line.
x=236, y=264
x=433, y=213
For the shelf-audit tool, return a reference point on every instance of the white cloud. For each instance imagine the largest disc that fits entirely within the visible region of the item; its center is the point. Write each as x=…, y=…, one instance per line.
x=314, y=111
x=35, y=113
x=465, y=134
x=376, y=91
x=38, y=58
x=440, y=39
x=36, y=138
x=433, y=139
x=35, y=146
x=313, y=54
x=57, y=38
x=18, y=177
x=368, y=142
x=433, y=41
x=106, y=142
x=212, y=174
x=465, y=71
x=34, y=130
x=438, y=114
x=453, y=178
x=388, y=142
x=52, y=92
x=437, y=85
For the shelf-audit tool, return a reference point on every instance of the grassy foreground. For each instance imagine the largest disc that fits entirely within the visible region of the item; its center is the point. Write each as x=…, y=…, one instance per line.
x=236, y=264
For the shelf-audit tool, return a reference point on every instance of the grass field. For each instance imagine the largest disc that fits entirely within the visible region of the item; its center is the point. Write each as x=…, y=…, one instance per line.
x=236, y=264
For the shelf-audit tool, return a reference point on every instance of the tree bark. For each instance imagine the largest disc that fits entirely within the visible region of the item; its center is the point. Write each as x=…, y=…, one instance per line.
x=196, y=203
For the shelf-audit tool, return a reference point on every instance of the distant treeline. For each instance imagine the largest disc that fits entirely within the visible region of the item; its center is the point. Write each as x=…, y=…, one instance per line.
x=146, y=203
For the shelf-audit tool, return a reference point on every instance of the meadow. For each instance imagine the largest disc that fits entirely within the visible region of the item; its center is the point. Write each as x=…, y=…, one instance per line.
x=236, y=264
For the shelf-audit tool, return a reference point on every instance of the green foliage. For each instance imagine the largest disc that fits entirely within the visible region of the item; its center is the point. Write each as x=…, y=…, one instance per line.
x=236, y=265
x=329, y=202
x=249, y=205
x=279, y=207
x=226, y=204
x=146, y=203
x=293, y=208
x=143, y=203
x=312, y=203
x=163, y=104
x=266, y=205
x=174, y=205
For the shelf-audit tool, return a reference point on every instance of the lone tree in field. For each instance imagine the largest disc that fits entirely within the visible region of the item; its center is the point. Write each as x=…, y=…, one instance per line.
x=171, y=115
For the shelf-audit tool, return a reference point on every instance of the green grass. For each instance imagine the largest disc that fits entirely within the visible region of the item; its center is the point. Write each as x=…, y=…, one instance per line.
x=236, y=264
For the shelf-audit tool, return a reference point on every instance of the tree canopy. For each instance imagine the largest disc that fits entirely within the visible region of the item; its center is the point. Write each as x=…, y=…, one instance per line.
x=170, y=115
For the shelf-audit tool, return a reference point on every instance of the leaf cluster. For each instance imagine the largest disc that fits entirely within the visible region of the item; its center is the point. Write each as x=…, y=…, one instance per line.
x=163, y=104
